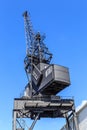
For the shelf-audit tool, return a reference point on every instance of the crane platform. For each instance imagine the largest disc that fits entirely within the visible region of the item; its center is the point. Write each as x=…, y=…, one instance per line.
x=51, y=107
x=42, y=107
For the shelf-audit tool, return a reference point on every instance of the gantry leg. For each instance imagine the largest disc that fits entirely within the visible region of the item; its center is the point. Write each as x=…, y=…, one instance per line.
x=75, y=119
x=14, y=120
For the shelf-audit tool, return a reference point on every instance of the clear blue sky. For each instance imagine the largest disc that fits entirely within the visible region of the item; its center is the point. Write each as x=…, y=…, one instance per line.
x=65, y=24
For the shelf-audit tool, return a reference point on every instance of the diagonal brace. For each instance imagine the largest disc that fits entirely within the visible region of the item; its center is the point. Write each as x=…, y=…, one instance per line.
x=34, y=122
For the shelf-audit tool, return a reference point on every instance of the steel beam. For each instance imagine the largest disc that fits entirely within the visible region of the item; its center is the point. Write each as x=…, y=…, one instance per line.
x=43, y=108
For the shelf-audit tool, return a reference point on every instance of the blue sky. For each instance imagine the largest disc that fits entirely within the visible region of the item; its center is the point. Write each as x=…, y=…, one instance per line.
x=65, y=25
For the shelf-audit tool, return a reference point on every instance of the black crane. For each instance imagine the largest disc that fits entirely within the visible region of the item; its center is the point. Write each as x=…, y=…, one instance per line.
x=45, y=78
x=45, y=81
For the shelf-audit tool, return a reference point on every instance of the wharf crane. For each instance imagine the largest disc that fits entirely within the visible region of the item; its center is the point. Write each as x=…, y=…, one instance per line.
x=45, y=80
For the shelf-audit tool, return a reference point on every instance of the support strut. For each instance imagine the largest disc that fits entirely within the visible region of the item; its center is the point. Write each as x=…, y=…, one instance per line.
x=34, y=122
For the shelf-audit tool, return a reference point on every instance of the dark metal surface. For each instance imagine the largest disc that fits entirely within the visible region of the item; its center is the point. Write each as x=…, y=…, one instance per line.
x=54, y=79
x=48, y=107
